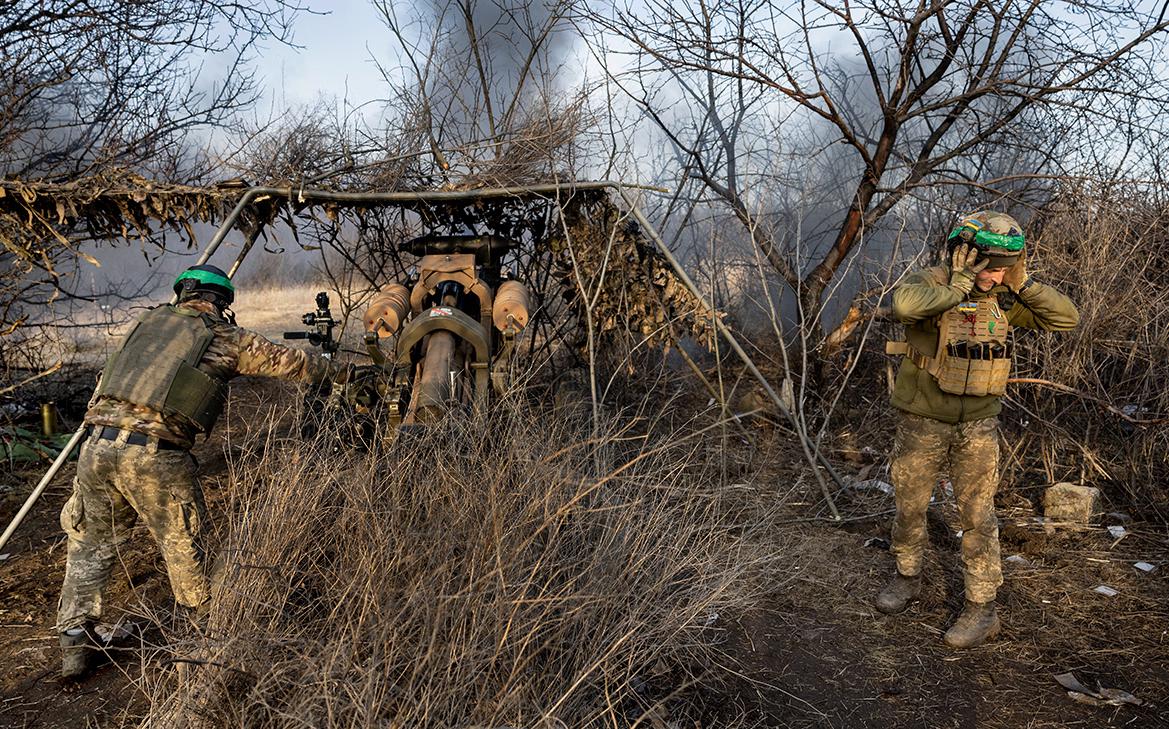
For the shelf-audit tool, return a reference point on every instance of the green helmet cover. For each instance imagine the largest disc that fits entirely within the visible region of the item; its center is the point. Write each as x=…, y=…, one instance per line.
x=986, y=239
x=206, y=277
x=975, y=229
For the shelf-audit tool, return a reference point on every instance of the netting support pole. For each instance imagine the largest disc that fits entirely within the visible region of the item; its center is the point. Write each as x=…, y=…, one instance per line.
x=813, y=455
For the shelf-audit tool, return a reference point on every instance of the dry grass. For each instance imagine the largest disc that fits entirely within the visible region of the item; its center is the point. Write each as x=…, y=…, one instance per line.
x=508, y=571
x=1107, y=249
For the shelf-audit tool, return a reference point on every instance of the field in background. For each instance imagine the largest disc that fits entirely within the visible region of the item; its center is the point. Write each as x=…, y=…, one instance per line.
x=273, y=310
x=87, y=331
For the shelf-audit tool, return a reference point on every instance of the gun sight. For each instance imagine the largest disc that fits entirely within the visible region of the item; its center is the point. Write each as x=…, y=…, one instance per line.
x=322, y=322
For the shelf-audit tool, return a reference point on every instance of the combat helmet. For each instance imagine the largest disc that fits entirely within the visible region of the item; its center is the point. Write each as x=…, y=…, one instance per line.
x=997, y=236
x=206, y=279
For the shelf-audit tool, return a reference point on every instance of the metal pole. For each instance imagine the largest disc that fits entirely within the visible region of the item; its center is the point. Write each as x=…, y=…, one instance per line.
x=36, y=493
x=226, y=225
x=77, y=436
x=309, y=196
x=811, y=453
x=253, y=234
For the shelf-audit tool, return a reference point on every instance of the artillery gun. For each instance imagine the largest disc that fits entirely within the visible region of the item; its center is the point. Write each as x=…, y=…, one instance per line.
x=450, y=327
x=440, y=340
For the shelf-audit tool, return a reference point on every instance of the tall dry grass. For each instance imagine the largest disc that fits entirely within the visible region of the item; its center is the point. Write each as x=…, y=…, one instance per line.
x=1109, y=251
x=509, y=570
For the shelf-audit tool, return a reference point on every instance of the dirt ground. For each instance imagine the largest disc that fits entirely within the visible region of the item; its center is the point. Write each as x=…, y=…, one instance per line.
x=823, y=657
x=30, y=579
x=814, y=653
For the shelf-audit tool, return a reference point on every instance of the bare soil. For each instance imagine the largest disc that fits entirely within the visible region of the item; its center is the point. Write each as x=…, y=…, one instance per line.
x=814, y=653
x=31, y=693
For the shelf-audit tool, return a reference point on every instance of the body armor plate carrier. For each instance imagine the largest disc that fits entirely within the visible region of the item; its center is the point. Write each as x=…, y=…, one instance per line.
x=156, y=367
x=973, y=356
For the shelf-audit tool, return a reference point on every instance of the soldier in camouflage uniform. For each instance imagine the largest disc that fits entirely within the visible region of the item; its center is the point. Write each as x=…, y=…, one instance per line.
x=957, y=360
x=165, y=385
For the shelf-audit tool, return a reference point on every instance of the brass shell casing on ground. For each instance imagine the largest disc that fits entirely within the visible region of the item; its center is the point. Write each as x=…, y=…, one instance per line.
x=48, y=418
x=388, y=310
x=512, y=302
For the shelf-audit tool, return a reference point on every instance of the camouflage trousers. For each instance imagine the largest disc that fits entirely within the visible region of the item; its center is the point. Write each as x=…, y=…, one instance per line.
x=969, y=453
x=116, y=484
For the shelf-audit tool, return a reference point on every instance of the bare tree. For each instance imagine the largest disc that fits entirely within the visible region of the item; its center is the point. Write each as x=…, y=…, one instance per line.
x=899, y=98
x=104, y=87
x=92, y=83
x=481, y=86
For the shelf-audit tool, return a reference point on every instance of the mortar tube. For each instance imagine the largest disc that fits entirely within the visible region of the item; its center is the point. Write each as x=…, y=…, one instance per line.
x=811, y=453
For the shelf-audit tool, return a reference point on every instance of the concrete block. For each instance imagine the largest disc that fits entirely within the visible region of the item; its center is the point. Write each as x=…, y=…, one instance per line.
x=1071, y=502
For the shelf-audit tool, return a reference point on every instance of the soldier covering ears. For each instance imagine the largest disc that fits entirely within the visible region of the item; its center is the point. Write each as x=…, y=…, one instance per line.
x=957, y=358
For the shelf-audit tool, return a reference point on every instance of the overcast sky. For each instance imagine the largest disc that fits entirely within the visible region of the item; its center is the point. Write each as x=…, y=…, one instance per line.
x=334, y=58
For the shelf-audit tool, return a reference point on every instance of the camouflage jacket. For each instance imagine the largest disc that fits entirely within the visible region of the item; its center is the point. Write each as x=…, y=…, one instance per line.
x=233, y=351
x=922, y=298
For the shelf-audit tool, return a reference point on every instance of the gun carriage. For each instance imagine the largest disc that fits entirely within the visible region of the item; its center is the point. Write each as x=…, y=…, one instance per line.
x=439, y=339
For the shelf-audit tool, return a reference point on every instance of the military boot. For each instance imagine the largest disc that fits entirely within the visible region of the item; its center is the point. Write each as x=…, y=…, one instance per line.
x=978, y=623
x=77, y=652
x=897, y=595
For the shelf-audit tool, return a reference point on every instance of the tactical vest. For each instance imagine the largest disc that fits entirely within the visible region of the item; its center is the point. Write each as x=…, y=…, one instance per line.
x=156, y=367
x=973, y=355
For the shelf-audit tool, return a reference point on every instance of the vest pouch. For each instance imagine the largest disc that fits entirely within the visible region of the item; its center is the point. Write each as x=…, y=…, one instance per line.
x=978, y=378
x=197, y=395
x=1000, y=370
x=952, y=374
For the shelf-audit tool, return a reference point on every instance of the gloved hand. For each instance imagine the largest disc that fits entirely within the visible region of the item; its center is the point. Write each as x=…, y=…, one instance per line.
x=964, y=269
x=1016, y=275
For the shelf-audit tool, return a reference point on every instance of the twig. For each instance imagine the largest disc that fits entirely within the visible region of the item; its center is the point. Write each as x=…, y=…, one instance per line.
x=1081, y=394
x=27, y=380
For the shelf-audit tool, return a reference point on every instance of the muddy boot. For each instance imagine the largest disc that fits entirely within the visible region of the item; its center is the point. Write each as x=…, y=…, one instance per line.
x=77, y=653
x=978, y=623
x=897, y=595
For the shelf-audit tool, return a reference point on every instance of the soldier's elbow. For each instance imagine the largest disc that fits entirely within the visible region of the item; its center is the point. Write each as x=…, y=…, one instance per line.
x=901, y=309
x=1066, y=321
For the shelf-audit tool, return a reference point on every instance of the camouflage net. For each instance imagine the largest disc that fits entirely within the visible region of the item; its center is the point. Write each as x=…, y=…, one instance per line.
x=630, y=287
x=115, y=204
x=606, y=269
